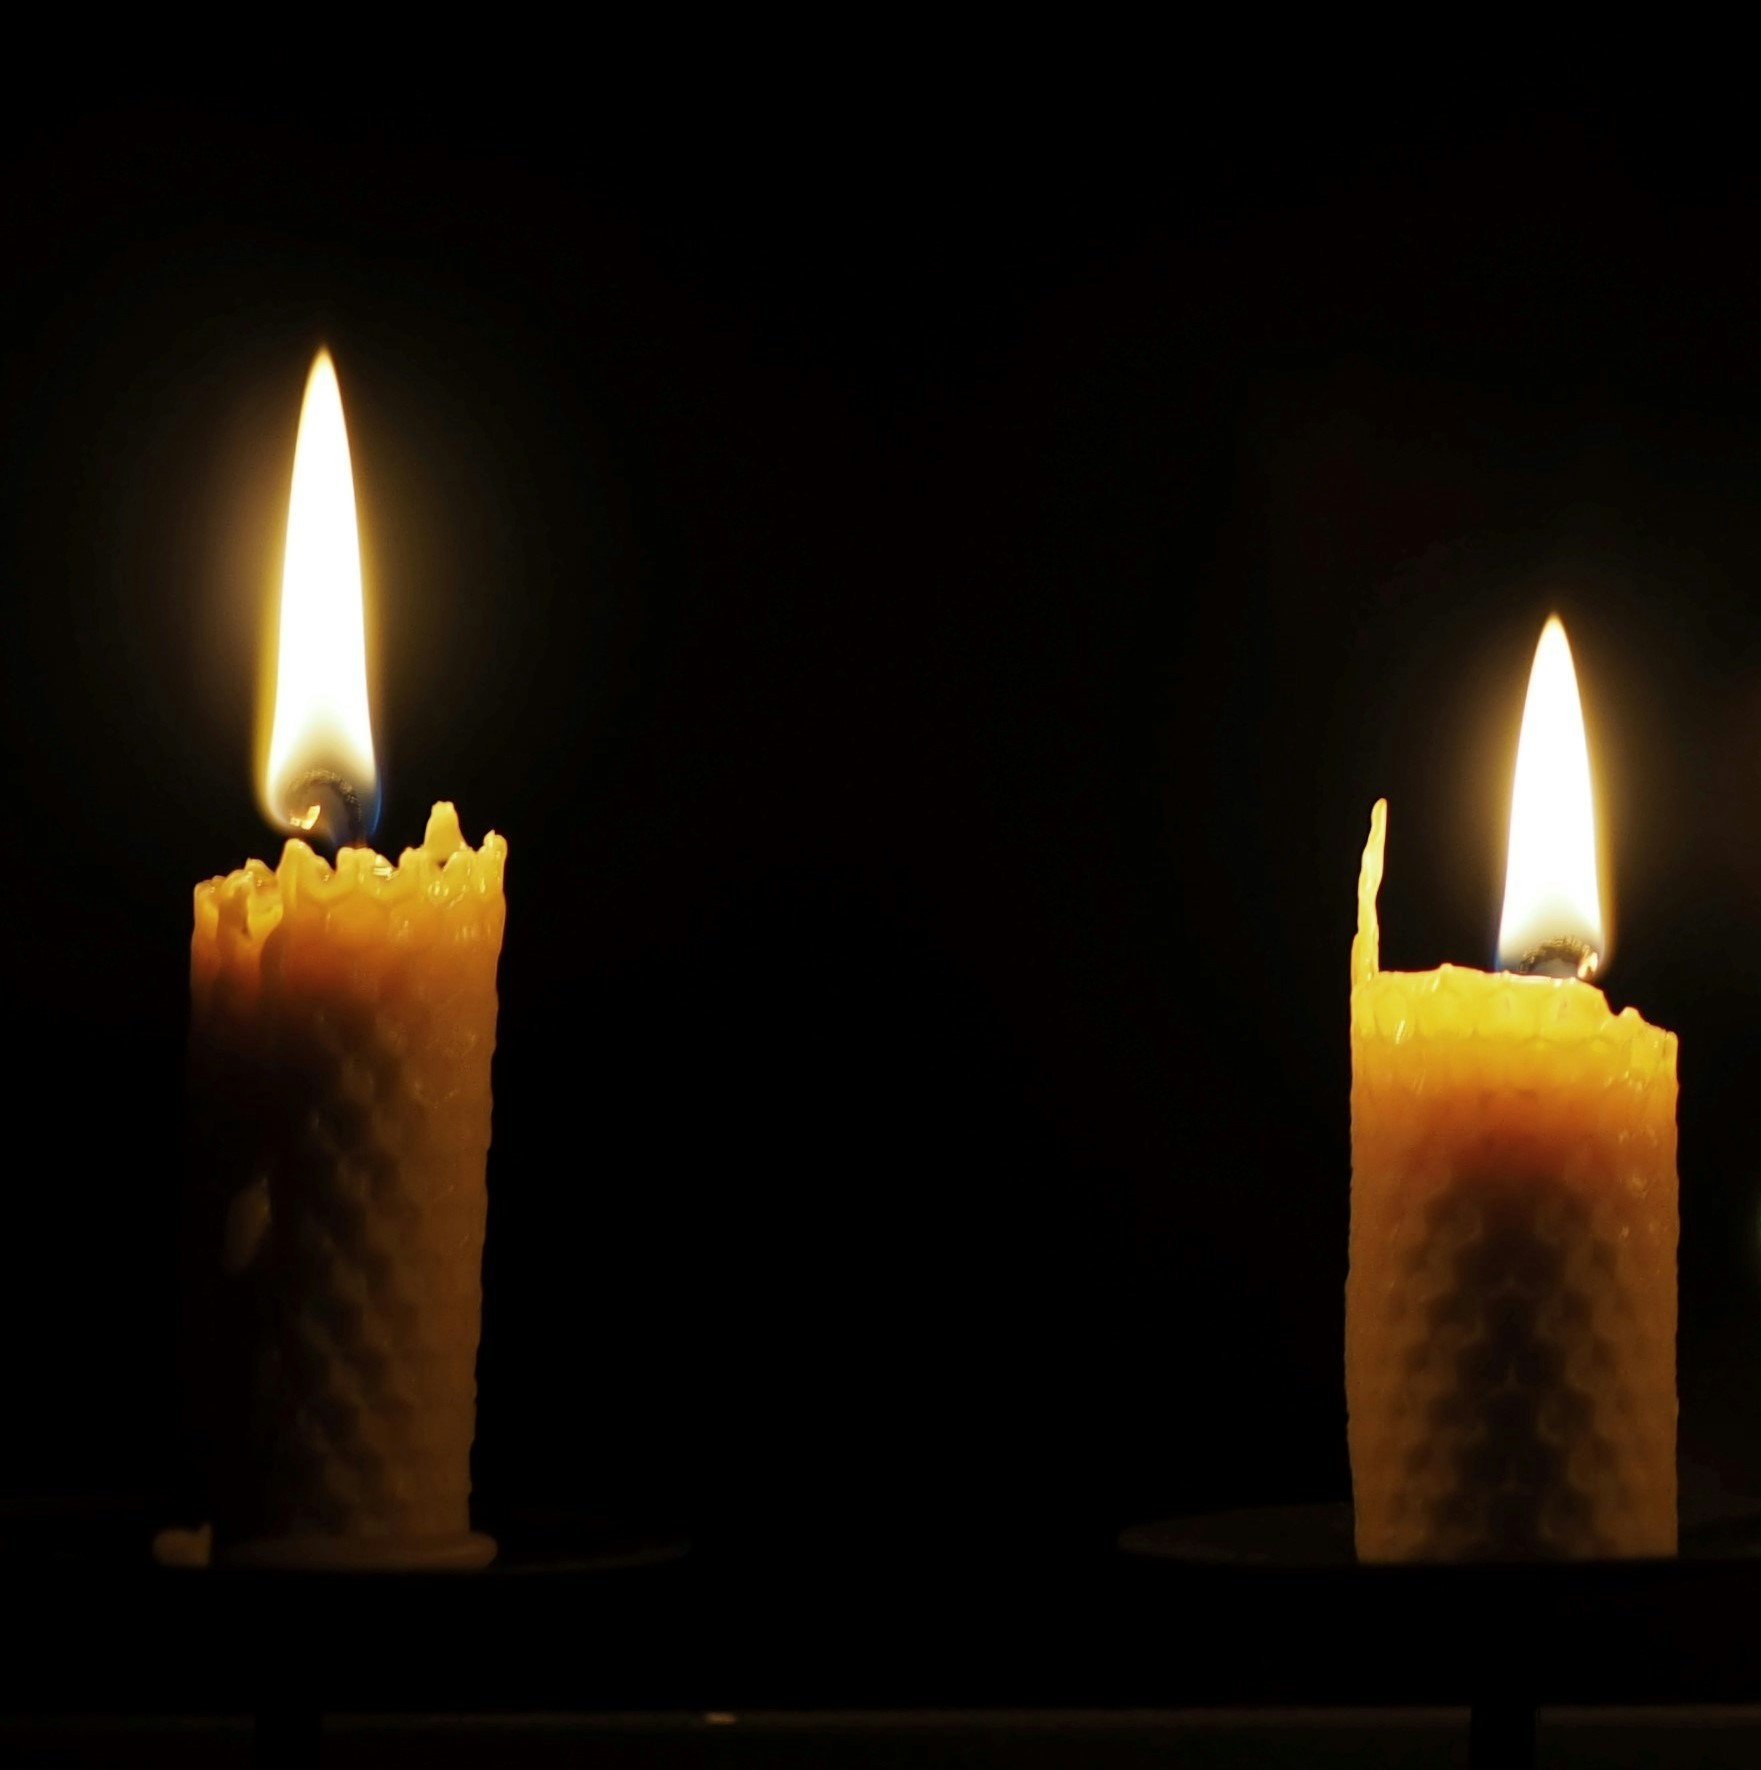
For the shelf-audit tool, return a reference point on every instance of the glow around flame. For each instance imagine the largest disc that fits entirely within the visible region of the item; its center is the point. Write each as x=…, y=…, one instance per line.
x=321, y=725
x=1551, y=890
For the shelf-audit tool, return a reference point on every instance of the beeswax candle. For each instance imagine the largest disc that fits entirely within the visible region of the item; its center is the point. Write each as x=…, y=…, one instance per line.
x=342, y=1025
x=343, y=1021
x=1511, y=1304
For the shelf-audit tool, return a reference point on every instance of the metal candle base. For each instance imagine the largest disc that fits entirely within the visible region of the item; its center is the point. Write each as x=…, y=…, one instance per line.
x=461, y=1553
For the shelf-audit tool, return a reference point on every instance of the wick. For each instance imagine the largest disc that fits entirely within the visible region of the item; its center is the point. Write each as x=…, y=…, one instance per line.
x=328, y=808
x=1563, y=957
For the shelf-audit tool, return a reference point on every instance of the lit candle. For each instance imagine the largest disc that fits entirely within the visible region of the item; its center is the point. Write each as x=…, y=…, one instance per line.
x=343, y=1019
x=1511, y=1307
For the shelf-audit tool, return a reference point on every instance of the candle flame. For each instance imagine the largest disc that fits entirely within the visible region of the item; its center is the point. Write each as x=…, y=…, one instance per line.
x=319, y=771
x=1552, y=897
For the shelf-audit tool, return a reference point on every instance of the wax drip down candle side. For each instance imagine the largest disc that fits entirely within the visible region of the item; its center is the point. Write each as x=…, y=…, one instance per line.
x=1510, y=1318
x=343, y=1019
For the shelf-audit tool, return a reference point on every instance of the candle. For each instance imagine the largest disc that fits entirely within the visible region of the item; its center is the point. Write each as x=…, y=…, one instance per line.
x=343, y=1019
x=1511, y=1304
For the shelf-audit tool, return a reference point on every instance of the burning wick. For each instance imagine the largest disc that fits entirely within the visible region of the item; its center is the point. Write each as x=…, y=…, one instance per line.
x=331, y=809
x=1563, y=957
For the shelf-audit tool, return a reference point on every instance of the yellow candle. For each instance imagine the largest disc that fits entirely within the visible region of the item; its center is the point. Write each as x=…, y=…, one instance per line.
x=1511, y=1305
x=343, y=1020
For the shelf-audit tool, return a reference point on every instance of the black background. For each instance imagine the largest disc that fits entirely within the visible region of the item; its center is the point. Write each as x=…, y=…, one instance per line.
x=929, y=583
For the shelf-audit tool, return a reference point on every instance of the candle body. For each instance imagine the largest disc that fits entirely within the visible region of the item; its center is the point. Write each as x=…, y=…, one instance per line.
x=1511, y=1304
x=342, y=1026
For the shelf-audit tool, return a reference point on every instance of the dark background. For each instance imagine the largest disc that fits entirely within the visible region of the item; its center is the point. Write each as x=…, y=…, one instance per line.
x=929, y=583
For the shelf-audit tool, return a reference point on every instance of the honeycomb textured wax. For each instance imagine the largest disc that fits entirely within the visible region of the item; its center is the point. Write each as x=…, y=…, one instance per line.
x=343, y=1021
x=1511, y=1307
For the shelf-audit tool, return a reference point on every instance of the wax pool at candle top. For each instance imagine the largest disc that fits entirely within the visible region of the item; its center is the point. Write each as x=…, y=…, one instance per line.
x=1511, y=1306
x=343, y=1020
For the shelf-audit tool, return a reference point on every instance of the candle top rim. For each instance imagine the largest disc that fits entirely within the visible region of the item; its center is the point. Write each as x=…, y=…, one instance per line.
x=445, y=865
x=1366, y=966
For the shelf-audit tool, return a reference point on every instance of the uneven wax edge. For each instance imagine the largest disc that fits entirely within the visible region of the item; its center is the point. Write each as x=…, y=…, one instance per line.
x=251, y=900
x=1542, y=1006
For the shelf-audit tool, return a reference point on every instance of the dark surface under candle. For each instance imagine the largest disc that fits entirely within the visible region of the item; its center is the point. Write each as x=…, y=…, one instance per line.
x=1261, y=1610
